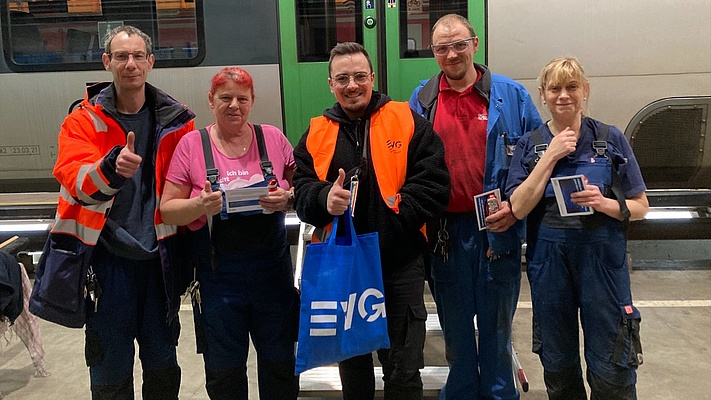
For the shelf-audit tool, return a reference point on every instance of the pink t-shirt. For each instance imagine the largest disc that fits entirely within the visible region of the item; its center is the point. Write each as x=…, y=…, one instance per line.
x=187, y=167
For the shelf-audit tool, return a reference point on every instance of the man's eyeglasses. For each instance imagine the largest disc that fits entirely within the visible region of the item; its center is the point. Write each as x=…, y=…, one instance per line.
x=459, y=46
x=359, y=78
x=122, y=56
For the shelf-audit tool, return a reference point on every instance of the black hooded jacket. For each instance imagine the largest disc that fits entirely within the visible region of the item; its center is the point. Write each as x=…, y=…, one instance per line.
x=424, y=194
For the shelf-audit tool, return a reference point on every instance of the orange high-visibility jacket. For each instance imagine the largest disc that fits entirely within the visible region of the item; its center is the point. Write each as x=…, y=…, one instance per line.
x=89, y=183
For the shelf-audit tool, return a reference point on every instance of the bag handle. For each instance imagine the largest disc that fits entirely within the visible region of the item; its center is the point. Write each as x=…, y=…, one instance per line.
x=350, y=237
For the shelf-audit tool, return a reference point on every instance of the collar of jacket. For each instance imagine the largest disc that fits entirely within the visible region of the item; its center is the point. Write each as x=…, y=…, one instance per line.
x=428, y=95
x=168, y=111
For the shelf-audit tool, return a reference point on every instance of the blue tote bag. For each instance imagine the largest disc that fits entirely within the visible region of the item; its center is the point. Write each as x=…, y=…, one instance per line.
x=342, y=299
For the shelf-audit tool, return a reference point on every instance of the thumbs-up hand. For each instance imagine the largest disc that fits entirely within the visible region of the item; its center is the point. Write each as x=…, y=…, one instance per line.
x=128, y=161
x=210, y=201
x=338, y=197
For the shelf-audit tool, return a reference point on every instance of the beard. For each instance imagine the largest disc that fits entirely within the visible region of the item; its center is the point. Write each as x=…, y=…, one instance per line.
x=356, y=105
x=456, y=75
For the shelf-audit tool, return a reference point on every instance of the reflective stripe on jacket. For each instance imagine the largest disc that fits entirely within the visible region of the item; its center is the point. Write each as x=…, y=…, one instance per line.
x=89, y=137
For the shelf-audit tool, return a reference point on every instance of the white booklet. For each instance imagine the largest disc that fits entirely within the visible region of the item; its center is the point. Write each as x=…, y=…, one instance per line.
x=486, y=204
x=563, y=187
x=244, y=199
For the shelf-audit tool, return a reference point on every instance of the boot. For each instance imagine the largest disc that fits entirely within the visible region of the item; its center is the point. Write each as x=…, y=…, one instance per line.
x=163, y=384
x=604, y=390
x=277, y=380
x=566, y=384
x=227, y=385
x=121, y=391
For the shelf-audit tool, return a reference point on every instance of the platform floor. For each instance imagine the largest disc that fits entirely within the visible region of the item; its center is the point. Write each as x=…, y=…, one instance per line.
x=676, y=338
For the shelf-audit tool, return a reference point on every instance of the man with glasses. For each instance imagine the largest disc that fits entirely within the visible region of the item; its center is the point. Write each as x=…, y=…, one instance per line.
x=480, y=117
x=398, y=162
x=108, y=240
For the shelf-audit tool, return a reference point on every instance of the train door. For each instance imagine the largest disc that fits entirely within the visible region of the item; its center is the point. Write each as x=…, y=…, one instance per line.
x=396, y=34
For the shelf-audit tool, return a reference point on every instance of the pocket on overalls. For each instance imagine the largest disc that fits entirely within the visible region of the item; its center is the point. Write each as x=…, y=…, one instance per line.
x=599, y=174
x=506, y=146
x=613, y=257
x=199, y=331
x=410, y=332
x=536, y=342
x=536, y=266
x=627, y=350
x=506, y=268
x=196, y=302
x=61, y=273
x=93, y=351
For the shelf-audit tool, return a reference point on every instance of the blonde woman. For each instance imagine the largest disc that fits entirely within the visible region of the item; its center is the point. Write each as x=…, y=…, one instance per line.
x=577, y=263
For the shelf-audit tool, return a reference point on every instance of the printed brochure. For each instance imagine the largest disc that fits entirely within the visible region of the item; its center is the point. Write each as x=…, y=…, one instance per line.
x=563, y=187
x=486, y=204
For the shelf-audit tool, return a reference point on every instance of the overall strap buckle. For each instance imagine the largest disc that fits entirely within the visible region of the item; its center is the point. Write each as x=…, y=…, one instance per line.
x=540, y=149
x=600, y=147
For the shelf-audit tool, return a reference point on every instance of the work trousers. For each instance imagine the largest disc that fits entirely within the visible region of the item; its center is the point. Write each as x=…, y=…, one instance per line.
x=132, y=306
x=584, y=271
x=406, y=314
x=468, y=284
x=248, y=294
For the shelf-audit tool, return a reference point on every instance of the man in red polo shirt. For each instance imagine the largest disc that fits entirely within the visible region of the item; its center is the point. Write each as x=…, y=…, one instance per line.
x=480, y=117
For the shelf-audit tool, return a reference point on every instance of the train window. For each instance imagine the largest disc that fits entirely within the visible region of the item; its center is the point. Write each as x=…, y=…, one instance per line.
x=57, y=35
x=416, y=21
x=320, y=25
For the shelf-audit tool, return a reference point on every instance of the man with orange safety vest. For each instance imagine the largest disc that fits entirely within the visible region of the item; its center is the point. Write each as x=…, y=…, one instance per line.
x=403, y=182
x=110, y=261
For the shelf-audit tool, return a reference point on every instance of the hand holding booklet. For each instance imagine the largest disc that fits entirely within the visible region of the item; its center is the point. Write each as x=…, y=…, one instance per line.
x=244, y=199
x=242, y=196
x=563, y=187
x=486, y=204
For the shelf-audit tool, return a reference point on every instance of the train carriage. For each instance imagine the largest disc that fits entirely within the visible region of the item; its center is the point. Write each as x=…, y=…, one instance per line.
x=52, y=49
x=635, y=53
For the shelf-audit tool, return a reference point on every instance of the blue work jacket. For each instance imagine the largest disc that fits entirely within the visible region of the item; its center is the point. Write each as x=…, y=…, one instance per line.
x=511, y=114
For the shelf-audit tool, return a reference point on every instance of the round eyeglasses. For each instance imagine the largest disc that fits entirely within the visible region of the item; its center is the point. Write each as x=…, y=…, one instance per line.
x=359, y=78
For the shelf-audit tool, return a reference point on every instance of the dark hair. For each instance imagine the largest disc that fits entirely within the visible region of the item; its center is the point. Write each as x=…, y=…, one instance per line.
x=130, y=30
x=453, y=18
x=346, y=48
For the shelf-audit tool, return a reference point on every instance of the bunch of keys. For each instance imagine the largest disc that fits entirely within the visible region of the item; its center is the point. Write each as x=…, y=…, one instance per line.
x=443, y=241
x=194, y=291
x=92, y=289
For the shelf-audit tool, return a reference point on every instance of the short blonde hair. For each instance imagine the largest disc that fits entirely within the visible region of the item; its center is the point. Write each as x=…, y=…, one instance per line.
x=561, y=71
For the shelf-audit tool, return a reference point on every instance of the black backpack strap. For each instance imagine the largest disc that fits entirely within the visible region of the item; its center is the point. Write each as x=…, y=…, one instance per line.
x=600, y=147
x=539, y=147
x=212, y=173
x=267, y=168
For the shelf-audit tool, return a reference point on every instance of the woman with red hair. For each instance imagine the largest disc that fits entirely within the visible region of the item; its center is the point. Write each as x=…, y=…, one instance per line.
x=244, y=277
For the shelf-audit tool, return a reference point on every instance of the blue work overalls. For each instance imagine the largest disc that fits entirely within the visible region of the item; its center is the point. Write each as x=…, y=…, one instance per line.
x=247, y=290
x=579, y=264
